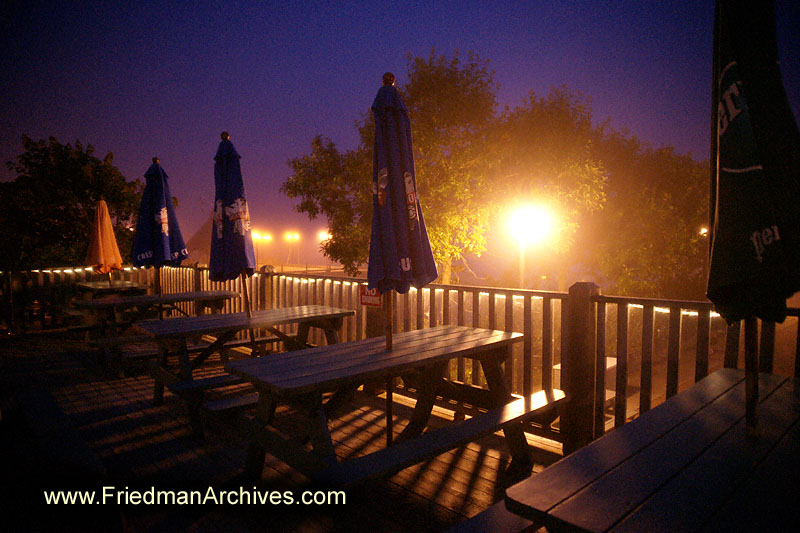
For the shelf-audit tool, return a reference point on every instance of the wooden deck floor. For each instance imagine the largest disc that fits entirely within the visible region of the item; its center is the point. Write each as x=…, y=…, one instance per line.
x=143, y=446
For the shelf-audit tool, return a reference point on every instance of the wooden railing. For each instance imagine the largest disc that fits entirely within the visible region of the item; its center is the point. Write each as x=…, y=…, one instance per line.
x=615, y=356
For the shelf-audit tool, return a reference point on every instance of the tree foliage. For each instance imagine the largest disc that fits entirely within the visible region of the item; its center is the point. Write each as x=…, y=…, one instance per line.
x=648, y=241
x=630, y=215
x=47, y=210
x=547, y=159
x=452, y=109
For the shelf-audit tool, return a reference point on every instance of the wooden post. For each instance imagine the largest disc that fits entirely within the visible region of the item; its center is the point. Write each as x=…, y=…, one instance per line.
x=578, y=366
x=197, y=286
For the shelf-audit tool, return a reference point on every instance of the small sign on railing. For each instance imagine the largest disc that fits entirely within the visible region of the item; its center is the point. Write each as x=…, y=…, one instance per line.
x=369, y=297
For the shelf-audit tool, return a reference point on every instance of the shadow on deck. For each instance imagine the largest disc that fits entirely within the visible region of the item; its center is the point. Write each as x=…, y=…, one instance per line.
x=139, y=447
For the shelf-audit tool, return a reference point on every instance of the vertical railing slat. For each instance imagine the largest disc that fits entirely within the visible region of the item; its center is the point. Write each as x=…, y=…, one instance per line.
x=600, y=378
x=732, y=338
x=527, y=346
x=461, y=370
x=621, y=386
x=547, y=343
x=646, y=392
x=508, y=325
x=766, y=350
x=703, y=326
x=673, y=350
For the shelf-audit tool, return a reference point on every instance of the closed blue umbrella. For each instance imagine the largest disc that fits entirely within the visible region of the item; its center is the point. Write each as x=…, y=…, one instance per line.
x=399, y=251
x=231, y=241
x=158, y=240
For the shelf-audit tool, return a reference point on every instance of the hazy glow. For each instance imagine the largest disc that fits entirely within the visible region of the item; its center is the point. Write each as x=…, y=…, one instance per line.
x=291, y=236
x=531, y=224
x=323, y=235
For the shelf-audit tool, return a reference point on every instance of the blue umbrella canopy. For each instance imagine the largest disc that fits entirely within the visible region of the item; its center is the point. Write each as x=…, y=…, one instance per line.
x=231, y=241
x=399, y=251
x=755, y=185
x=158, y=240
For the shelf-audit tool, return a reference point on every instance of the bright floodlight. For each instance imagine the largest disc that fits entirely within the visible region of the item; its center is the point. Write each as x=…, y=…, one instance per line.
x=323, y=235
x=531, y=224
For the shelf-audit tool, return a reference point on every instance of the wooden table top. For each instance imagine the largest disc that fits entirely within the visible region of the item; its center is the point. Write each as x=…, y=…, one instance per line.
x=155, y=299
x=330, y=367
x=103, y=287
x=182, y=327
x=685, y=465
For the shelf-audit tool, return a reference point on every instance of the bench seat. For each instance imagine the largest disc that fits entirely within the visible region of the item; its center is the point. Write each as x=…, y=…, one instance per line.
x=435, y=442
x=127, y=349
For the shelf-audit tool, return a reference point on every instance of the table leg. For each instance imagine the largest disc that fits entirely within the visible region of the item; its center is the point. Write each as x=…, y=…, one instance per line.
x=331, y=328
x=185, y=372
x=521, y=463
x=158, y=389
x=429, y=384
x=318, y=433
x=256, y=451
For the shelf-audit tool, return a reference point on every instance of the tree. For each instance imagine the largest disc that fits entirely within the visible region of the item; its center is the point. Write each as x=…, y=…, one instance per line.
x=452, y=109
x=547, y=160
x=47, y=210
x=339, y=187
x=648, y=241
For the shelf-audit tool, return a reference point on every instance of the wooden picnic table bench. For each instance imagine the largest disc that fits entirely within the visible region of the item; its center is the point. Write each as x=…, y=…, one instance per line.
x=174, y=337
x=301, y=378
x=685, y=465
x=113, y=315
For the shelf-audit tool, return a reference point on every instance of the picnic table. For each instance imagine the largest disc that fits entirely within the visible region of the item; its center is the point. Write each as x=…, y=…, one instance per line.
x=108, y=309
x=175, y=335
x=111, y=317
x=96, y=289
x=686, y=465
x=301, y=378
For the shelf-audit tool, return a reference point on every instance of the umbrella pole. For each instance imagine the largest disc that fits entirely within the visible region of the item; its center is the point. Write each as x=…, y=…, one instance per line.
x=387, y=325
x=387, y=318
x=751, y=375
x=110, y=283
x=249, y=311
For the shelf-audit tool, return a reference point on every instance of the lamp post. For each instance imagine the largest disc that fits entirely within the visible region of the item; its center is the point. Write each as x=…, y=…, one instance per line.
x=323, y=236
x=291, y=238
x=258, y=238
x=529, y=224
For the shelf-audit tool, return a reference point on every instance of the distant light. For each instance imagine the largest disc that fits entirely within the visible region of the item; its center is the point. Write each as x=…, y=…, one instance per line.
x=291, y=236
x=531, y=224
x=256, y=235
x=323, y=235
x=703, y=231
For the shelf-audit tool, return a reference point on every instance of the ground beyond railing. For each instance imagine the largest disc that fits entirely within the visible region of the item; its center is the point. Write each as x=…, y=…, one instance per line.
x=646, y=349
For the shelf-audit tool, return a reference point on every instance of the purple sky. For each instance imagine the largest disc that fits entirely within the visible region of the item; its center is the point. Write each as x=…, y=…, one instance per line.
x=164, y=78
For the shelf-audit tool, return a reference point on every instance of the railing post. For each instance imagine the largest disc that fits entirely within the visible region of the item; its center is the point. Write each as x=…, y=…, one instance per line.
x=578, y=366
x=265, y=294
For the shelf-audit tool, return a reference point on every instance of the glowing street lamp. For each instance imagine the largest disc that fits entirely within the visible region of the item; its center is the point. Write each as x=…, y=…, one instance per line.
x=259, y=237
x=528, y=225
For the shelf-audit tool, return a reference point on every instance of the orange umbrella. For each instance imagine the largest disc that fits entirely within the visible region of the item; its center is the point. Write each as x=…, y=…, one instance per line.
x=103, y=253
